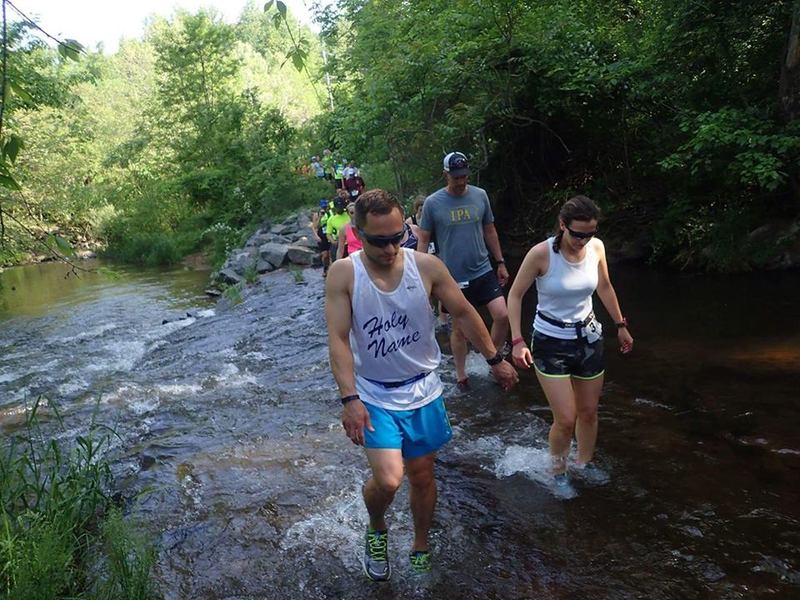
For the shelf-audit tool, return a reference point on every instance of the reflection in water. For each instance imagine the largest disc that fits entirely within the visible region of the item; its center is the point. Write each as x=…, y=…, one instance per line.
x=35, y=290
x=232, y=452
x=778, y=355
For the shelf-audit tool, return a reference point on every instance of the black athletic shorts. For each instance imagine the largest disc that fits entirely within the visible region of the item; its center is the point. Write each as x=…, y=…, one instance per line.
x=481, y=290
x=554, y=357
x=323, y=244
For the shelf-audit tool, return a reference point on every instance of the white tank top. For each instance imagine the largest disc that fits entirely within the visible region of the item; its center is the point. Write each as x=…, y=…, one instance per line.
x=565, y=291
x=393, y=338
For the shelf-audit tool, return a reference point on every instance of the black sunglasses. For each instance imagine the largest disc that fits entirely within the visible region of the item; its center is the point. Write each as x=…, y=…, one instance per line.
x=579, y=235
x=381, y=241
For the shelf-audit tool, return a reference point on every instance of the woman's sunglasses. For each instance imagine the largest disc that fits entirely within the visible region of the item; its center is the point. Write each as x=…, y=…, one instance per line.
x=381, y=241
x=580, y=235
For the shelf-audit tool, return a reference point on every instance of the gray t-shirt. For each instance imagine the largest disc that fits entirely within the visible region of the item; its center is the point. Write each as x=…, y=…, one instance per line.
x=457, y=222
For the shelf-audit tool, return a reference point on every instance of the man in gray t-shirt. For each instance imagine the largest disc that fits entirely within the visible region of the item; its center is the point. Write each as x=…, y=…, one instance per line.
x=461, y=218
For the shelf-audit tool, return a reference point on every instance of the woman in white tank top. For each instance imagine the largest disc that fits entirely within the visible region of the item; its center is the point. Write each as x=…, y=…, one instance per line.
x=567, y=343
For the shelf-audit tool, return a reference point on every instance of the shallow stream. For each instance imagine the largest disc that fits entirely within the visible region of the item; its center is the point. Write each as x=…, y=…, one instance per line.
x=232, y=455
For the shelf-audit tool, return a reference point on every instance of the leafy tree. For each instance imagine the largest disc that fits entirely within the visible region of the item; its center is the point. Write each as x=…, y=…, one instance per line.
x=659, y=109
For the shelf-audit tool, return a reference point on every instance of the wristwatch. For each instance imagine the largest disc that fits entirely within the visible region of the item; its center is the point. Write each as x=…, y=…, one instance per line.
x=495, y=360
x=622, y=324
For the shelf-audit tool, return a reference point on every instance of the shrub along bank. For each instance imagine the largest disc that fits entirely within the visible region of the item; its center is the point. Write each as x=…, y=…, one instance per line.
x=60, y=535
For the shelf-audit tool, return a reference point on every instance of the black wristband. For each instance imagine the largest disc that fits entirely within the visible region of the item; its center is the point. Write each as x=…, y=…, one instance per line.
x=347, y=399
x=500, y=262
x=495, y=360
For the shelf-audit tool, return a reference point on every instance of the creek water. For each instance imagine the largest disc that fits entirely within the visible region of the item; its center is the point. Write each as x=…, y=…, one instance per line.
x=230, y=453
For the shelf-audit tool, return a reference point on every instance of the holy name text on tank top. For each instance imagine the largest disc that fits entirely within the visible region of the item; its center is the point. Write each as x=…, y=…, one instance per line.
x=378, y=330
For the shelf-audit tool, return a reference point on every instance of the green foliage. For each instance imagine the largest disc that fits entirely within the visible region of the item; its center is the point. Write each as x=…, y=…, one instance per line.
x=233, y=294
x=737, y=148
x=148, y=148
x=297, y=273
x=128, y=558
x=222, y=238
x=53, y=502
x=250, y=275
x=671, y=103
x=663, y=111
x=142, y=248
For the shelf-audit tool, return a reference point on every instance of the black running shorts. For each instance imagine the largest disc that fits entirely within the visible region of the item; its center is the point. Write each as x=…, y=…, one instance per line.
x=482, y=290
x=323, y=244
x=554, y=357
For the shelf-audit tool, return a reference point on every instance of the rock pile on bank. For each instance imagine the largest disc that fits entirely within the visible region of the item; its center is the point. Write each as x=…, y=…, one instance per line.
x=271, y=247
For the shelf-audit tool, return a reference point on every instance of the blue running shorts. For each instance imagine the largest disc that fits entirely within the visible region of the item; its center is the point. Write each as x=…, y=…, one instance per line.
x=414, y=432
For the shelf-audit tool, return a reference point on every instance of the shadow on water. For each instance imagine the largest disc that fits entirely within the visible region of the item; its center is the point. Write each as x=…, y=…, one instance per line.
x=233, y=454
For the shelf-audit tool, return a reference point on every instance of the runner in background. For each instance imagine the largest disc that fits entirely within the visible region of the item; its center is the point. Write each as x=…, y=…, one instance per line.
x=338, y=173
x=337, y=221
x=353, y=183
x=319, y=170
x=319, y=221
x=348, y=239
x=443, y=321
x=461, y=218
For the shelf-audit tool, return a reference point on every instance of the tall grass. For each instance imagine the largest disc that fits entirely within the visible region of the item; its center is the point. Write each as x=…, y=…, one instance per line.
x=59, y=536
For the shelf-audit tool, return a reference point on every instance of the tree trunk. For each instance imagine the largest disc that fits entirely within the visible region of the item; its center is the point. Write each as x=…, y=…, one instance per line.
x=790, y=70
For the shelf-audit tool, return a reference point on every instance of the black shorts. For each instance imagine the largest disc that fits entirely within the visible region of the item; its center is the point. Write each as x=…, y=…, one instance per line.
x=482, y=290
x=323, y=244
x=554, y=357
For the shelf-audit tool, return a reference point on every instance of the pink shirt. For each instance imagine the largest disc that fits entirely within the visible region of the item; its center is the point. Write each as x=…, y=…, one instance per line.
x=353, y=243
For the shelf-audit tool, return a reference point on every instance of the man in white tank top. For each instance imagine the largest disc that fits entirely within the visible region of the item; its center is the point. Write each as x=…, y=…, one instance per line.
x=383, y=354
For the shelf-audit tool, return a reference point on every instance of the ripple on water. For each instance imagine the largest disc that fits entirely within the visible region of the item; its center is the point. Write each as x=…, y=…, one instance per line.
x=779, y=567
x=179, y=389
x=8, y=376
x=231, y=377
x=90, y=334
x=339, y=521
x=72, y=387
x=118, y=356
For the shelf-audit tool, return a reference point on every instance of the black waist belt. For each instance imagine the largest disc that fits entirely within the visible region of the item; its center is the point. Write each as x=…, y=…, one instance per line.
x=396, y=384
x=578, y=326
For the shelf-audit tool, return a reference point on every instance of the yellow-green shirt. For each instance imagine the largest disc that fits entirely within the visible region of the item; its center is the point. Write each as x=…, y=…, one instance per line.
x=335, y=225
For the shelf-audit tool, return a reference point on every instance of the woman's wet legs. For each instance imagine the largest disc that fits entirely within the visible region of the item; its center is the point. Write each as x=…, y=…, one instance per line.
x=587, y=398
x=561, y=398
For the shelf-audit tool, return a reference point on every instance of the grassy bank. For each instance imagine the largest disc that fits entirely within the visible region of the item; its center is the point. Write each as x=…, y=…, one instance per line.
x=60, y=534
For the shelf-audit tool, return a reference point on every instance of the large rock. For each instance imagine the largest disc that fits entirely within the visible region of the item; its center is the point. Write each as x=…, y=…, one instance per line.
x=273, y=253
x=264, y=266
x=284, y=229
x=229, y=277
x=305, y=238
x=301, y=255
x=258, y=239
x=241, y=261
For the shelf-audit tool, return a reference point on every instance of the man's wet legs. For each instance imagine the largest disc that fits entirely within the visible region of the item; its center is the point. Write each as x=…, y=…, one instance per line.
x=380, y=489
x=423, y=497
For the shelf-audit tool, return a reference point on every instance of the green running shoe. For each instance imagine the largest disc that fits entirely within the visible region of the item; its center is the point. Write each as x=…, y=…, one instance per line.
x=376, y=557
x=421, y=561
